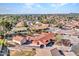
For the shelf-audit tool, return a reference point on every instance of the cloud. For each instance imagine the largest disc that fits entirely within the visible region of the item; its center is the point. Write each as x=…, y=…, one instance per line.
x=6, y=9
x=39, y=8
x=32, y=5
x=58, y=4
x=28, y=5
x=62, y=4
x=38, y=5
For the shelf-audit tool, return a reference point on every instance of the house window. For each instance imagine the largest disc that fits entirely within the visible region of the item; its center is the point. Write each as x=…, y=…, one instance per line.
x=46, y=40
x=32, y=40
x=37, y=43
x=51, y=40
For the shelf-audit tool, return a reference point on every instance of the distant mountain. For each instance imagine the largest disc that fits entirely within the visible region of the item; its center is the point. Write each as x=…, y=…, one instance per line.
x=61, y=14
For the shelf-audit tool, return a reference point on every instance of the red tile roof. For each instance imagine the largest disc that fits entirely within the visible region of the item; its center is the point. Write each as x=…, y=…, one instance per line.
x=41, y=38
x=18, y=38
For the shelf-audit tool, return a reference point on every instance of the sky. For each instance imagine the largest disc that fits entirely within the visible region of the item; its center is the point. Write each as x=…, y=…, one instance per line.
x=38, y=8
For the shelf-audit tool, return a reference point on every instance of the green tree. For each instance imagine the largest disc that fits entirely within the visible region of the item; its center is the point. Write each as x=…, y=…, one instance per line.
x=6, y=25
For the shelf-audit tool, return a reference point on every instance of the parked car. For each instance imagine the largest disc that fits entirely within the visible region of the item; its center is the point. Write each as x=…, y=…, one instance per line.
x=41, y=46
x=49, y=44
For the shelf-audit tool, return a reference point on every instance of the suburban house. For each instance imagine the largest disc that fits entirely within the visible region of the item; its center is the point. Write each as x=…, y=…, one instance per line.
x=67, y=32
x=39, y=39
x=20, y=28
x=38, y=26
x=42, y=38
x=19, y=39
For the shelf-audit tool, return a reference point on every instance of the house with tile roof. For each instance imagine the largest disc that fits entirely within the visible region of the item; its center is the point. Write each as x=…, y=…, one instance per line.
x=42, y=38
x=20, y=39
